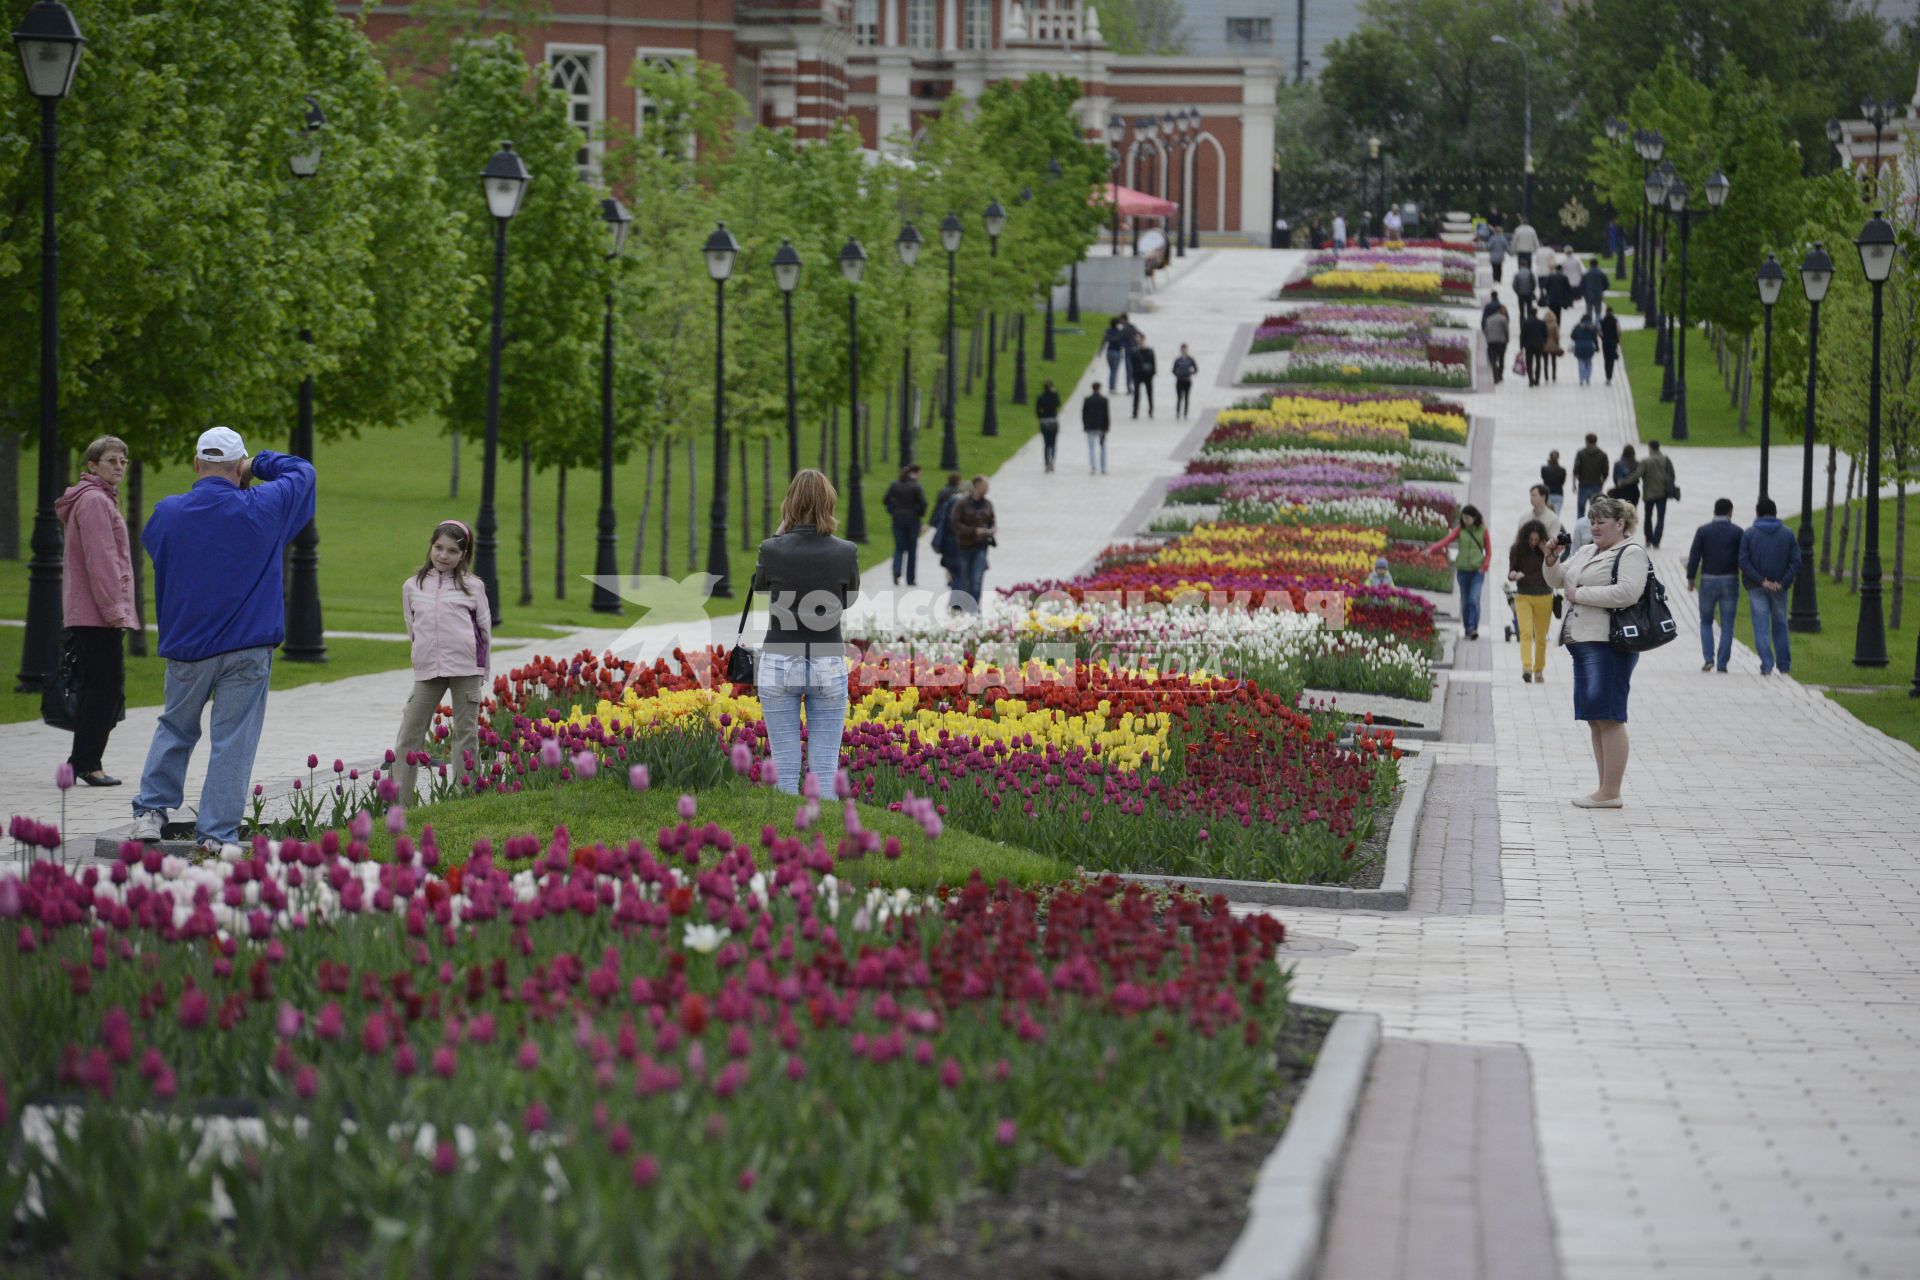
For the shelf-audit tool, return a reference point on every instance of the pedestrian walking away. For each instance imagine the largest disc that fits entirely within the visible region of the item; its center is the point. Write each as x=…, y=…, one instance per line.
x=974, y=529
x=1470, y=564
x=943, y=543
x=810, y=577
x=1554, y=477
x=1593, y=287
x=1047, y=408
x=1094, y=420
x=1769, y=561
x=1524, y=288
x=1497, y=326
x=906, y=504
x=1140, y=363
x=1626, y=476
x=1497, y=252
x=1184, y=369
x=1586, y=340
x=1590, y=468
x=1116, y=342
x=450, y=624
x=217, y=551
x=1654, y=477
x=1339, y=232
x=1533, y=341
x=1525, y=242
x=1555, y=293
x=1532, y=598
x=1715, y=559
x=1608, y=574
x=1609, y=341
x=96, y=604
x=1552, y=350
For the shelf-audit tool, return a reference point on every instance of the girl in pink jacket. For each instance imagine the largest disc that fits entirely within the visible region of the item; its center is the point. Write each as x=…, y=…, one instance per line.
x=451, y=626
x=97, y=602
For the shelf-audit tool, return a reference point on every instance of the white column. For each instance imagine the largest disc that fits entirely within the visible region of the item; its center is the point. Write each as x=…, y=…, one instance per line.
x=1256, y=153
x=890, y=21
x=950, y=25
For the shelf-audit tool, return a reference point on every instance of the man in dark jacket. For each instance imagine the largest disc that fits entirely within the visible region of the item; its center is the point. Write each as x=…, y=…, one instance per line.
x=1094, y=420
x=1533, y=340
x=1769, y=559
x=943, y=542
x=1524, y=288
x=1115, y=343
x=1593, y=287
x=1047, y=409
x=1556, y=293
x=216, y=553
x=1498, y=328
x=906, y=502
x=1184, y=367
x=1715, y=557
x=1141, y=368
x=973, y=528
x=1591, y=468
x=1609, y=341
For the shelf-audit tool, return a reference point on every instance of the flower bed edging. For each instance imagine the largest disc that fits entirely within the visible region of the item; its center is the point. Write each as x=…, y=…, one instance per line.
x=1396, y=878
x=1287, y=1213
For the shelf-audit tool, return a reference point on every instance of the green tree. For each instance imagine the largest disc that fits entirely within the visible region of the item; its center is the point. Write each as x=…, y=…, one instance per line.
x=1143, y=26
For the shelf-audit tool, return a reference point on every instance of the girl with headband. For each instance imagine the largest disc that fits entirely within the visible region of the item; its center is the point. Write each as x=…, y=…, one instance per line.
x=451, y=626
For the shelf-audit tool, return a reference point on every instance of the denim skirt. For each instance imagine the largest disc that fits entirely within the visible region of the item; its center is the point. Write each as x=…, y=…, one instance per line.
x=1602, y=678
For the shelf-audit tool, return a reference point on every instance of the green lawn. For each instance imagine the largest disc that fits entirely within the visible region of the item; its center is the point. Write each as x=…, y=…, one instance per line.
x=606, y=810
x=146, y=676
x=1712, y=418
x=381, y=495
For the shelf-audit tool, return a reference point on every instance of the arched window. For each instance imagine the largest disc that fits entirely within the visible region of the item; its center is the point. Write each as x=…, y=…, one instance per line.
x=573, y=74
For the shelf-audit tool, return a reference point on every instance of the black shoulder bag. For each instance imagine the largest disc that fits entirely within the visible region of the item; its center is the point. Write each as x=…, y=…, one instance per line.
x=1645, y=624
x=743, y=662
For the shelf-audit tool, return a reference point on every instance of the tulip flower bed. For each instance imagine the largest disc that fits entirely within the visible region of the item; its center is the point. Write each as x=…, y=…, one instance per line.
x=1415, y=465
x=1280, y=332
x=1332, y=419
x=1279, y=551
x=650, y=1060
x=1407, y=275
x=1341, y=344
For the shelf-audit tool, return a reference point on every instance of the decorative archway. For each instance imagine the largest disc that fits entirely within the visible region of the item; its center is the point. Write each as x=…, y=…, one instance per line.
x=1219, y=174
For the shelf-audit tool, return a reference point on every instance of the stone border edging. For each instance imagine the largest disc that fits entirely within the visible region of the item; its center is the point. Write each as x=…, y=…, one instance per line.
x=1288, y=1210
x=1394, y=893
x=1237, y=352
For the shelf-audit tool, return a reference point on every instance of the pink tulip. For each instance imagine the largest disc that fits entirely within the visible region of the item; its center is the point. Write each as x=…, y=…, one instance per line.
x=646, y=1170
x=586, y=764
x=742, y=758
x=361, y=825
x=620, y=1139
x=306, y=1082
x=9, y=897
x=1005, y=1132
x=528, y=1058
x=951, y=1074
x=396, y=820
x=193, y=1008
x=747, y=1178
x=63, y=776
x=536, y=1117
x=550, y=754
x=445, y=1158
x=687, y=808
x=287, y=1021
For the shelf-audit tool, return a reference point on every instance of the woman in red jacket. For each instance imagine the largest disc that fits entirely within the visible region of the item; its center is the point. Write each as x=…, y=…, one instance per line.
x=97, y=602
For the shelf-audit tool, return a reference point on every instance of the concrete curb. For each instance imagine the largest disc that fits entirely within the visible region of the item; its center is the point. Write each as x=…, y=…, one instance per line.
x=1436, y=702
x=1287, y=1213
x=1396, y=879
x=1229, y=375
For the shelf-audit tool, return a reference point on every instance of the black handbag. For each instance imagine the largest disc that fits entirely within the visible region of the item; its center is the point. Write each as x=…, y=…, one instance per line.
x=60, y=700
x=743, y=661
x=1645, y=624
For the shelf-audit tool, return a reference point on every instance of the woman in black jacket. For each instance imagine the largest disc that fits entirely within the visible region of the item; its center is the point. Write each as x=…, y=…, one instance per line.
x=1625, y=489
x=810, y=577
x=1554, y=477
x=1047, y=407
x=906, y=502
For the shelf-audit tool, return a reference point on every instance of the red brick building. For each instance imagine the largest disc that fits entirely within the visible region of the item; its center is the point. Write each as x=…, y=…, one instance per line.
x=887, y=64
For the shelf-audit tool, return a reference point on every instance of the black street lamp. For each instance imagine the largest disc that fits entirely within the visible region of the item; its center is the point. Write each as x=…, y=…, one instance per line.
x=1663, y=341
x=853, y=264
x=605, y=561
x=1878, y=111
x=1816, y=273
x=1019, y=321
x=1174, y=123
x=1876, y=246
x=1717, y=188
x=306, y=632
x=1769, y=280
x=49, y=43
x=721, y=249
x=908, y=247
x=1186, y=179
x=950, y=233
x=1116, y=134
x=1652, y=145
x=786, y=274
x=1617, y=134
x=996, y=219
x=505, y=182
x=1047, y=351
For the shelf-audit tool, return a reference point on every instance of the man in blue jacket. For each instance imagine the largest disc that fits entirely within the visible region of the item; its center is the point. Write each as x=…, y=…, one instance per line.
x=1715, y=557
x=216, y=552
x=1769, y=557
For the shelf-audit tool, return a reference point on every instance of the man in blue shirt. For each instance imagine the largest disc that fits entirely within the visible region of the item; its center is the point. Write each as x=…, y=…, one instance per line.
x=216, y=552
x=1769, y=559
x=1715, y=557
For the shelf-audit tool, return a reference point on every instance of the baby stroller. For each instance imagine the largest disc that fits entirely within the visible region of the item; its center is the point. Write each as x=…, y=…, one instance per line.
x=1512, y=629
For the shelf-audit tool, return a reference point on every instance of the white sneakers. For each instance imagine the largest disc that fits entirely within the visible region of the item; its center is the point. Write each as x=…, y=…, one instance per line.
x=146, y=826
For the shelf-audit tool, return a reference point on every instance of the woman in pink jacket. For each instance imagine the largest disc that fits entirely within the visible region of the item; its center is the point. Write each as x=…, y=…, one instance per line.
x=451, y=626
x=97, y=602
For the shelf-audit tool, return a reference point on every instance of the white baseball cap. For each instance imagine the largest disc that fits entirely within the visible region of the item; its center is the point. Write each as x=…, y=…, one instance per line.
x=220, y=444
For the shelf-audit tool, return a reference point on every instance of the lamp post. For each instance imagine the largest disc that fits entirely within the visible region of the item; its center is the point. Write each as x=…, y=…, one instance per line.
x=853, y=264
x=1116, y=134
x=1663, y=341
x=1175, y=124
x=1653, y=146
x=1769, y=281
x=1717, y=188
x=907, y=246
x=720, y=250
x=1879, y=111
x=1526, y=64
x=996, y=219
x=605, y=564
x=1617, y=134
x=1019, y=322
x=1816, y=273
x=1876, y=246
x=49, y=44
x=505, y=182
x=786, y=274
x=1145, y=129
x=306, y=632
x=1186, y=178
x=950, y=233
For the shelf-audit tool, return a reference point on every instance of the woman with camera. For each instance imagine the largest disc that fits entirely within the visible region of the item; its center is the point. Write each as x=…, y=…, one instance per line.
x=1607, y=574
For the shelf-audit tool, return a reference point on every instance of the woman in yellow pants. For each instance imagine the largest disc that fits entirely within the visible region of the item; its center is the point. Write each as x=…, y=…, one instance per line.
x=1533, y=599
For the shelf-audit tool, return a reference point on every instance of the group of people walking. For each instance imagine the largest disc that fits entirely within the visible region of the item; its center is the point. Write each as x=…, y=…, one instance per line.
x=1126, y=350
x=1545, y=287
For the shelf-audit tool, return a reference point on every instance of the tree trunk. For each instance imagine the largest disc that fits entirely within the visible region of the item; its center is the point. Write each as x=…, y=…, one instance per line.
x=666, y=506
x=453, y=471
x=1899, y=549
x=560, y=536
x=866, y=437
x=526, y=523
x=1846, y=522
x=973, y=357
x=693, y=506
x=10, y=495
x=640, y=525
x=746, y=501
x=1826, y=526
x=766, y=487
x=1744, y=395
x=136, y=517
x=886, y=421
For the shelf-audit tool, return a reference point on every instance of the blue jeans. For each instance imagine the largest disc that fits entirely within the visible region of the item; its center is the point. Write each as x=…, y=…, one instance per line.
x=1656, y=520
x=973, y=574
x=1470, y=580
x=236, y=683
x=906, y=546
x=1718, y=592
x=1117, y=360
x=1097, y=451
x=1586, y=369
x=786, y=682
x=1769, y=610
x=1588, y=492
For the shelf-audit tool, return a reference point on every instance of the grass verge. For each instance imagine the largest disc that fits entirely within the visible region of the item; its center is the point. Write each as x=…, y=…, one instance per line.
x=1713, y=420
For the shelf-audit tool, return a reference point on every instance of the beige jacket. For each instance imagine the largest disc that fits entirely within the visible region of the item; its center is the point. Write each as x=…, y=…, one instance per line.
x=1590, y=570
